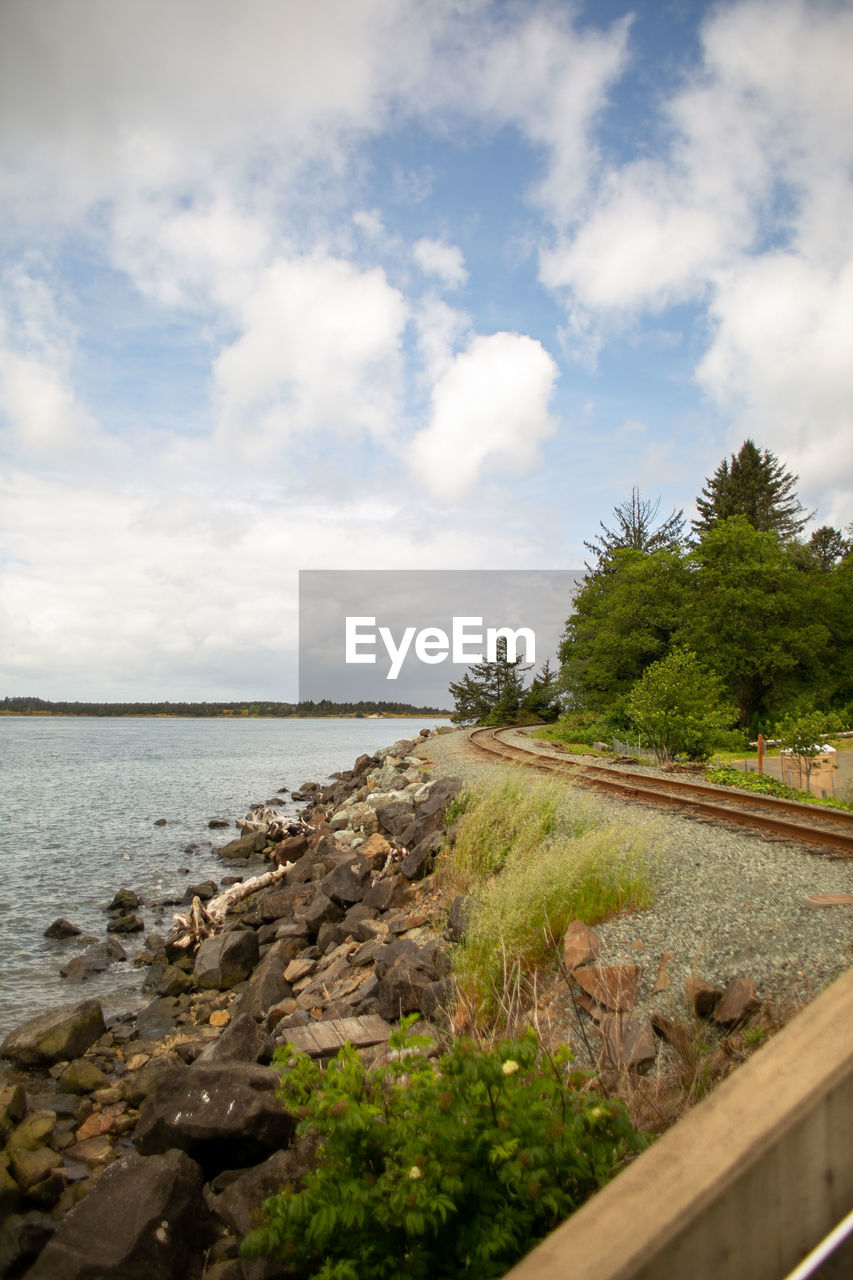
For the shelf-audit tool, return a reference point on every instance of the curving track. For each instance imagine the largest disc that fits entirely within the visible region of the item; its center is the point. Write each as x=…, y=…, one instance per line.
x=828, y=829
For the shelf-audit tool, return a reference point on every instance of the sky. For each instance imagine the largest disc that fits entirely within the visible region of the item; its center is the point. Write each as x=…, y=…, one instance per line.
x=392, y=284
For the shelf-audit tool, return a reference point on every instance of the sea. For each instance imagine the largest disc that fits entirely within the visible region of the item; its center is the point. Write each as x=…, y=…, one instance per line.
x=79, y=800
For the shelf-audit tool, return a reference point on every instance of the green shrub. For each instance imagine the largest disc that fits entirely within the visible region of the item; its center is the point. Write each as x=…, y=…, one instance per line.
x=677, y=704
x=764, y=784
x=439, y=1171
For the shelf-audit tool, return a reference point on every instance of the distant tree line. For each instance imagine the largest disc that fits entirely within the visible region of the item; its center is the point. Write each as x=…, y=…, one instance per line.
x=303, y=710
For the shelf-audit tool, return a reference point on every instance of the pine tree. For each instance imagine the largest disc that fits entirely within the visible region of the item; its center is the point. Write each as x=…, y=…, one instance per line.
x=753, y=484
x=490, y=691
x=828, y=546
x=636, y=531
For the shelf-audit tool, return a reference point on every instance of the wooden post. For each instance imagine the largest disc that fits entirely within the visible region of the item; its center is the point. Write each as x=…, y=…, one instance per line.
x=761, y=753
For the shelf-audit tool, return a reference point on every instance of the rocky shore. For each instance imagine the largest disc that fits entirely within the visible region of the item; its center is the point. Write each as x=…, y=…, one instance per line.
x=144, y=1147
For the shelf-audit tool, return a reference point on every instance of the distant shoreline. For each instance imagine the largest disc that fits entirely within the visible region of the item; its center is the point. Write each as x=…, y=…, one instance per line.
x=115, y=711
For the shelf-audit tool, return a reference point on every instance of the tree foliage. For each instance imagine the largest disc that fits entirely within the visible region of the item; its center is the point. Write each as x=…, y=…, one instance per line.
x=828, y=545
x=495, y=693
x=755, y=485
x=438, y=1171
x=623, y=620
x=756, y=619
x=636, y=530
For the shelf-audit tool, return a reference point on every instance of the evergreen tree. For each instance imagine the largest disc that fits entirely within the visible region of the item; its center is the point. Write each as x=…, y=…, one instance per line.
x=828, y=546
x=755, y=485
x=636, y=531
x=490, y=691
x=542, y=698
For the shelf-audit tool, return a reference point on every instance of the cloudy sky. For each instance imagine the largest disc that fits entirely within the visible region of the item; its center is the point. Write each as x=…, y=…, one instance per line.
x=332, y=284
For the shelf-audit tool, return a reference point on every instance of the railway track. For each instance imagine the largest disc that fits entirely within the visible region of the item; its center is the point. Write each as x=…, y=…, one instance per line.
x=827, y=829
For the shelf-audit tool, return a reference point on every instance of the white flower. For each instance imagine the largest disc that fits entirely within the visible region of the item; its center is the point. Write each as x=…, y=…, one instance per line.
x=509, y=1067
x=415, y=1173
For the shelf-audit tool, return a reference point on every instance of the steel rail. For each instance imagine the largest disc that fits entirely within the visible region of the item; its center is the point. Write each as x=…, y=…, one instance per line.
x=762, y=813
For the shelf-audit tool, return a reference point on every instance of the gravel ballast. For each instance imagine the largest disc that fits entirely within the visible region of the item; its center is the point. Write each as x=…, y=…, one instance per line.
x=729, y=903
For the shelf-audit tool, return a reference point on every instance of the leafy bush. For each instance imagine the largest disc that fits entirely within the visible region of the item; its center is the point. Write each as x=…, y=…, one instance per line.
x=678, y=705
x=439, y=1171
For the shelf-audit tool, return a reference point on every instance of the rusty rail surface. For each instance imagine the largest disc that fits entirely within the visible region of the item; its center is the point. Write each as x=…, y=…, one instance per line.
x=829, y=829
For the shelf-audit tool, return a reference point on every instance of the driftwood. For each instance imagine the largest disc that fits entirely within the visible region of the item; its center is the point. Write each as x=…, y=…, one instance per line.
x=274, y=825
x=202, y=921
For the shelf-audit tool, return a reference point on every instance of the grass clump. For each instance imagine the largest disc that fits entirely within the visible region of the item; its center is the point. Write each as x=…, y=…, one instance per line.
x=535, y=857
x=510, y=817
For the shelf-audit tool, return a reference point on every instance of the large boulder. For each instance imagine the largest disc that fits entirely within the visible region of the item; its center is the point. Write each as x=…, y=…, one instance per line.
x=409, y=979
x=395, y=816
x=56, y=1036
x=225, y=1115
x=226, y=959
x=140, y=1221
x=244, y=846
x=267, y=985
x=243, y=1040
x=347, y=882
x=235, y=1196
x=95, y=959
x=62, y=928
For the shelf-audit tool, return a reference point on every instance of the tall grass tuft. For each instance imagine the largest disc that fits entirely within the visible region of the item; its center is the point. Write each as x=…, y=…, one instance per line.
x=535, y=856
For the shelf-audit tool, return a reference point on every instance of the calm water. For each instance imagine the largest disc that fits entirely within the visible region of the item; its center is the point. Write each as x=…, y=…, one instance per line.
x=78, y=802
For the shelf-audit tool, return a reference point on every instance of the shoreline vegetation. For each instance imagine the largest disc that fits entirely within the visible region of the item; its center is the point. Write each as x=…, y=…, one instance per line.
x=253, y=709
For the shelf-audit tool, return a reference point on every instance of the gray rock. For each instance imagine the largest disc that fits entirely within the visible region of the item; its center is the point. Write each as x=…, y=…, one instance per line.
x=244, y=846
x=267, y=985
x=418, y=862
x=235, y=1199
x=347, y=883
x=320, y=909
x=22, y=1238
x=125, y=900
x=157, y=1018
x=394, y=816
x=140, y=1222
x=226, y=959
x=95, y=959
x=205, y=891
x=225, y=1115
x=61, y=1034
x=126, y=922
x=61, y=929
x=243, y=1040
x=459, y=918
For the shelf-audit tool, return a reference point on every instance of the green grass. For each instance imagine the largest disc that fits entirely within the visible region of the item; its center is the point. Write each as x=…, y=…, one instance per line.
x=536, y=856
x=764, y=784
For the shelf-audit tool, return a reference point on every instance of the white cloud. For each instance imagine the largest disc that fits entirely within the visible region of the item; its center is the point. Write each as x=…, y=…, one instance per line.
x=780, y=362
x=551, y=81
x=38, y=406
x=446, y=261
x=745, y=209
x=319, y=351
x=489, y=412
